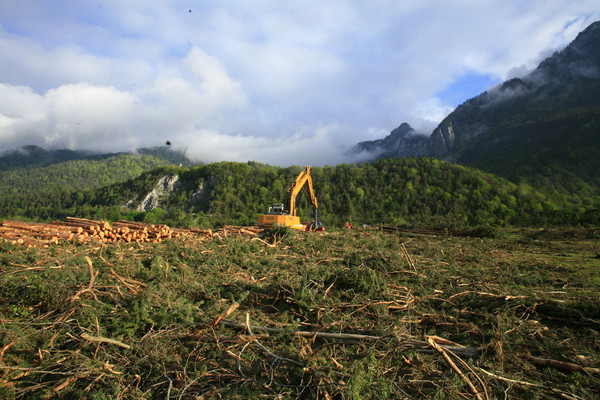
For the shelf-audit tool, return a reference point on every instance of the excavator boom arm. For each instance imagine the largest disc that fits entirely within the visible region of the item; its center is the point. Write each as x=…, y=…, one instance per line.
x=303, y=178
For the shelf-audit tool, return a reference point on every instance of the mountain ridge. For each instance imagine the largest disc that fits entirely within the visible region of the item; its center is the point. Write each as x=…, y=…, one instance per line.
x=548, y=116
x=31, y=156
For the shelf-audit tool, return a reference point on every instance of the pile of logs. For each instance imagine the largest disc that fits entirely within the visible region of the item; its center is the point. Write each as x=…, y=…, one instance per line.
x=80, y=230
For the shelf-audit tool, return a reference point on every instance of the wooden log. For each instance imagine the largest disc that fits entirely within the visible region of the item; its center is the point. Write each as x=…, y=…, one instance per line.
x=132, y=226
x=10, y=223
x=23, y=233
x=72, y=223
x=83, y=220
x=29, y=242
x=28, y=226
x=248, y=232
x=135, y=224
x=14, y=236
x=10, y=229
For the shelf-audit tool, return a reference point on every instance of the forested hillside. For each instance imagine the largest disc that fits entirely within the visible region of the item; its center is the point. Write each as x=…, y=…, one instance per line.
x=35, y=156
x=77, y=174
x=542, y=128
x=417, y=192
x=36, y=183
x=555, y=152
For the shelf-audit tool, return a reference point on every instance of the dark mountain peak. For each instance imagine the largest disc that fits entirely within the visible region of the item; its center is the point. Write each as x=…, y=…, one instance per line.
x=402, y=131
x=403, y=141
x=587, y=42
x=513, y=84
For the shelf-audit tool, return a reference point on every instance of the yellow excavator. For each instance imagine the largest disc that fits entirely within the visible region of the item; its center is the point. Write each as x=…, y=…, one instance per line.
x=284, y=214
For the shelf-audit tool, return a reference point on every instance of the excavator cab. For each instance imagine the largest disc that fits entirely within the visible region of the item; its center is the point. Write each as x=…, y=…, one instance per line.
x=276, y=209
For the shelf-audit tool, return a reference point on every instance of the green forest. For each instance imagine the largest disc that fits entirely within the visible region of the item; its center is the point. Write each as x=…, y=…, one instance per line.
x=552, y=145
x=421, y=192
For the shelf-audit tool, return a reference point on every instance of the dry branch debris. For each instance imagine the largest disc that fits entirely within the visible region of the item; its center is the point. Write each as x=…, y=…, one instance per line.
x=90, y=287
x=410, y=342
x=462, y=375
x=225, y=314
x=333, y=319
x=562, y=365
x=104, y=340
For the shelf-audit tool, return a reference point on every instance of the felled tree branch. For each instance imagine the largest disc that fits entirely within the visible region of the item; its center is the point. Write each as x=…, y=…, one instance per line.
x=415, y=343
x=562, y=365
x=93, y=275
x=104, y=340
x=465, y=378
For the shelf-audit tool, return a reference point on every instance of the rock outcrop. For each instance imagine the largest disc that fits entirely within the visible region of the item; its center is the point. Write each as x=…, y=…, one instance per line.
x=164, y=187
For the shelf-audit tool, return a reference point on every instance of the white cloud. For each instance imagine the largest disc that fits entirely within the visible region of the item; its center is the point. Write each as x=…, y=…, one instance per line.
x=104, y=118
x=88, y=117
x=270, y=81
x=23, y=116
x=213, y=80
x=323, y=142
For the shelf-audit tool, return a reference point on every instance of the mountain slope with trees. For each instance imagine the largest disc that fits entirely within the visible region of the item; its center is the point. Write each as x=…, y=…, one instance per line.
x=34, y=156
x=31, y=169
x=543, y=128
x=37, y=183
x=422, y=192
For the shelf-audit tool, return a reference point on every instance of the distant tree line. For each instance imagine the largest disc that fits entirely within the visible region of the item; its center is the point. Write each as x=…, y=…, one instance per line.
x=421, y=192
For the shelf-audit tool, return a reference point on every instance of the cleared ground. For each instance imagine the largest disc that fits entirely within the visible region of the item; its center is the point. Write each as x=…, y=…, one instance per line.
x=342, y=315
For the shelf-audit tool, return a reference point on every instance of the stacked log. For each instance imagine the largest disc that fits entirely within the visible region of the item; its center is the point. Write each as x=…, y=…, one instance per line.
x=137, y=231
x=30, y=233
x=81, y=230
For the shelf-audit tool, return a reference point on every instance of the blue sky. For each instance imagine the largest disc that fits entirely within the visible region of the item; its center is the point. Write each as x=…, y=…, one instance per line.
x=282, y=82
x=467, y=86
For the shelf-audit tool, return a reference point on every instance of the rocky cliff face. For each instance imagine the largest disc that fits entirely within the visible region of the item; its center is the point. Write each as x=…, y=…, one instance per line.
x=164, y=187
x=442, y=139
x=560, y=83
x=169, y=185
x=201, y=196
x=452, y=132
